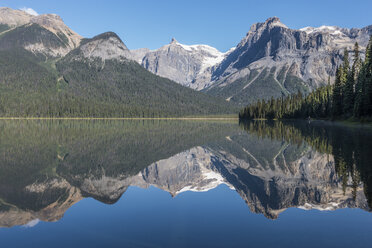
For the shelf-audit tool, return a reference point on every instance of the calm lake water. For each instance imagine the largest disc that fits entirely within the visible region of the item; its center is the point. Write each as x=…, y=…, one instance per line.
x=184, y=184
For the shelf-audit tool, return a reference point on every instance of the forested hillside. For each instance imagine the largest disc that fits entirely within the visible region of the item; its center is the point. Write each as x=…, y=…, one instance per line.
x=37, y=84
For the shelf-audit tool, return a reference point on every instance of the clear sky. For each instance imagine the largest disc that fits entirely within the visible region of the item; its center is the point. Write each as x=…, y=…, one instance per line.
x=219, y=23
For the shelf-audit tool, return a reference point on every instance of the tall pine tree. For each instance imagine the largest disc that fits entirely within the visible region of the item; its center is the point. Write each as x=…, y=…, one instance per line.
x=357, y=72
x=347, y=86
x=368, y=80
x=337, y=94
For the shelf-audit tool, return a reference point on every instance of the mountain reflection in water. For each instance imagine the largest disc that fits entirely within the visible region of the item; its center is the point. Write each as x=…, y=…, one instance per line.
x=47, y=166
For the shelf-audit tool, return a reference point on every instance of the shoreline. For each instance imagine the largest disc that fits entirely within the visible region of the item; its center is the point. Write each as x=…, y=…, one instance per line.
x=118, y=118
x=348, y=123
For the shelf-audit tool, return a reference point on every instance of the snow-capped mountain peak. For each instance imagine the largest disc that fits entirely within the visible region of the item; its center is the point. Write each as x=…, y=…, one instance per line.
x=189, y=65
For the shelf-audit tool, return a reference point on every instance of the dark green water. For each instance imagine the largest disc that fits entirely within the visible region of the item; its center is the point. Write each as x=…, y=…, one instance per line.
x=184, y=184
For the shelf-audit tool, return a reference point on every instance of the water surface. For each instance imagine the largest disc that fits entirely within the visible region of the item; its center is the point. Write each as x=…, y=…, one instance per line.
x=184, y=184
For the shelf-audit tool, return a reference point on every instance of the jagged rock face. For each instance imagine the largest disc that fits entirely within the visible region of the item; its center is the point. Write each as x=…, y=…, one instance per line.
x=190, y=66
x=308, y=47
x=42, y=34
x=292, y=60
x=272, y=60
x=106, y=46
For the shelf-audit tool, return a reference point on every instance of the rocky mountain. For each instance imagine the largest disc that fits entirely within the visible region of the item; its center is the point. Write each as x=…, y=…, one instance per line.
x=274, y=60
x=106, y=46
x=43, y=34
x=190, y=66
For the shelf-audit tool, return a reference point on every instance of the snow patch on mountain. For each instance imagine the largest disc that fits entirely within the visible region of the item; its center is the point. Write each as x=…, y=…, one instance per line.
x=323, y=29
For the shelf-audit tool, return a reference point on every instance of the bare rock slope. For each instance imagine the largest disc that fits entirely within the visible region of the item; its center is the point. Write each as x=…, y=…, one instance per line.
x=43, y=34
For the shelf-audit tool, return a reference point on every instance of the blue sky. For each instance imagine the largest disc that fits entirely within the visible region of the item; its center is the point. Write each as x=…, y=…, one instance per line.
x=219, y=23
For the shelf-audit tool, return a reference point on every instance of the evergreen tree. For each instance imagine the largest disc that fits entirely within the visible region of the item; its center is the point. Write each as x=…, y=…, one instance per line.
x=351, y=95
x=337, y=94
x=349, y=85
x=368, y=80
x=358, y=72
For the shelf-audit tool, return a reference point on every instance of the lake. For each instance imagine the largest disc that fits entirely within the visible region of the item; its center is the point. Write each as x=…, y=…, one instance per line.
x=159, y=183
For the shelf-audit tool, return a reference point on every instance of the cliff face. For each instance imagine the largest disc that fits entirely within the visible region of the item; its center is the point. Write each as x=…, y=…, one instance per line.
x=274, y=60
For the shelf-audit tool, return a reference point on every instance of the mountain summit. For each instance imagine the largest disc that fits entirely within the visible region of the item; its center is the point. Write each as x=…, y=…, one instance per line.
x=189, y=65
x=105, y=46
x=43, y=34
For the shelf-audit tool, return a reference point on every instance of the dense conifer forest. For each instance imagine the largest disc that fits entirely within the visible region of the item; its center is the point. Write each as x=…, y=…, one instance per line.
x=350, y=97
x=32, y=86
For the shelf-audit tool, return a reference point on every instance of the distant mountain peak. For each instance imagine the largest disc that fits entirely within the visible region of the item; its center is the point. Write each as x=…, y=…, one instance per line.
x=188, y=65
x=13, y=17
x=66, y=37
x=48, y=17
x=106, y=36
x=273, y=19
x=269, y=23
x=106, y=46
x=173, y=41
x=55, y=24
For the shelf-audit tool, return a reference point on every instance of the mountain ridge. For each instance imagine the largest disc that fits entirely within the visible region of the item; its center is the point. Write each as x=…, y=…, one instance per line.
x=272, y=60
x=44, y=73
